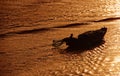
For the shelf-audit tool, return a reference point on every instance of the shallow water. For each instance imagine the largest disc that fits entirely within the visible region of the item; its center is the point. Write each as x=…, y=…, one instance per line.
x=28, y=28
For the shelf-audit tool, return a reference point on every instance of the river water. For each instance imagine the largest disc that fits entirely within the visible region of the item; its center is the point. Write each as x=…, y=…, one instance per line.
x=26, y=15
x=28, y=27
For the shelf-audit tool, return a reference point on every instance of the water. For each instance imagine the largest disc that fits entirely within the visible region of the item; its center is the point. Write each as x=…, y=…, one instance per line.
x=27, y=15
x=27, y=29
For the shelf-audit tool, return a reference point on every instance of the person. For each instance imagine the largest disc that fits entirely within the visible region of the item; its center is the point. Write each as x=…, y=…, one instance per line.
x=70, y=41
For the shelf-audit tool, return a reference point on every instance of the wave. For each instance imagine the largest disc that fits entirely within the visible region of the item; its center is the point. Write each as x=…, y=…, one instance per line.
x=88, y=22
x=71, y=25
x=32, y=31
x=107, y=19
x=38, y=30
x=24, y=32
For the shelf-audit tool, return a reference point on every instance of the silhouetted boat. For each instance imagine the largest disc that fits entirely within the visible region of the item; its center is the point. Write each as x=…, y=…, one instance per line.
x=84, y=40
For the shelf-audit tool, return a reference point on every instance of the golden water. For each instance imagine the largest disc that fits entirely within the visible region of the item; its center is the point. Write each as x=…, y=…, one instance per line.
x=31, y=54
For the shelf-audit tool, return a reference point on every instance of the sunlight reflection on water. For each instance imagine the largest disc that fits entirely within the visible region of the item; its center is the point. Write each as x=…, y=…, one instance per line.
x=113, y=7
x=117, y=59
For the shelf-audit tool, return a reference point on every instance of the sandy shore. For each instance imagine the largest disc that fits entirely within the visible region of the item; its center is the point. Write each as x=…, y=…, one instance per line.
x=32, y=54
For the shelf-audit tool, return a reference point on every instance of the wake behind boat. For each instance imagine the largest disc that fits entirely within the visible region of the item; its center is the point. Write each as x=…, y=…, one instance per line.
x=85, y=40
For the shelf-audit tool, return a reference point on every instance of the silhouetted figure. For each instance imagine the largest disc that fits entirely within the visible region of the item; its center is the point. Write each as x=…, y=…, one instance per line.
x=70, y=41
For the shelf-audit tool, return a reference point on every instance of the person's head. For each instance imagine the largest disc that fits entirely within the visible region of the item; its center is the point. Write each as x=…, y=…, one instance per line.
x=67, y=39
x=104, y=29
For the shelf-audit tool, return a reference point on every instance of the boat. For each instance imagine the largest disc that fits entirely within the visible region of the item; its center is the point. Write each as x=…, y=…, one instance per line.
x=85, y=40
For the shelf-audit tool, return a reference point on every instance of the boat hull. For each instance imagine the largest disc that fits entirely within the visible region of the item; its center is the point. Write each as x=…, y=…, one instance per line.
x=89, y=39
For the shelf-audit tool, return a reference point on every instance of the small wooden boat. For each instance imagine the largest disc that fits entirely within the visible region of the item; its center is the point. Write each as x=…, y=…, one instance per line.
x=84, y=40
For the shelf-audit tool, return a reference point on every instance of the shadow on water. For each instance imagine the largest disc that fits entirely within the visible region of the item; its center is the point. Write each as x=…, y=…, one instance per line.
x=83, y=48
